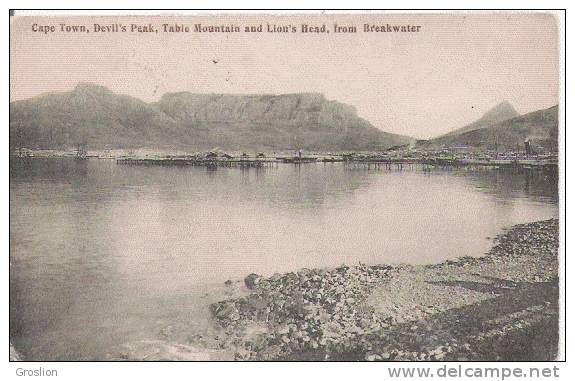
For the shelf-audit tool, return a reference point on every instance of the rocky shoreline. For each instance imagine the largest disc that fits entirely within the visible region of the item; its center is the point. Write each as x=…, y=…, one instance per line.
x=502, y=306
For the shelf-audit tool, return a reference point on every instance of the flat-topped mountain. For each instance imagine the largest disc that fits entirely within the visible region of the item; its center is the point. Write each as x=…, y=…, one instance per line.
x=97, y=117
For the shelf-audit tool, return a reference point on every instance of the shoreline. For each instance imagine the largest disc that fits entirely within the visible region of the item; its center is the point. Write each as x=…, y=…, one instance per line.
x=502, y=306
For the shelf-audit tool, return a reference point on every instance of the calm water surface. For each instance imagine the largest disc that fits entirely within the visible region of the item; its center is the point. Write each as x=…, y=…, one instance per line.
x=103, y=254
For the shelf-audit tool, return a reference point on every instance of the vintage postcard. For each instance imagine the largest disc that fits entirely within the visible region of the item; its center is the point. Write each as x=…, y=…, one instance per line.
x=365, y=186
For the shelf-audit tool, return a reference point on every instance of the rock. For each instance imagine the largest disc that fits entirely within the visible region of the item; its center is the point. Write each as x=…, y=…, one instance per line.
x=252, y=280
x=270, y=352
x=227, y=311
x=373, y=357
x=439, y=356
x=297, y=335
x=324, y=312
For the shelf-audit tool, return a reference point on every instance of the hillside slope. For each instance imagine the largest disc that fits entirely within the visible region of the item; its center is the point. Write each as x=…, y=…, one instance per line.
x=540, y=126
x=499, y=113
x=95, y=116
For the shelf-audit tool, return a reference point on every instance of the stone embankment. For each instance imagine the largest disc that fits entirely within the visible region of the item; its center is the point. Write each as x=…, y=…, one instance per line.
x=502, y=306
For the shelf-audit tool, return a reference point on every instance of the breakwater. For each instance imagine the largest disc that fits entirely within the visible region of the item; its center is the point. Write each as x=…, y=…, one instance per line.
x=369, y=163
x=197, y=162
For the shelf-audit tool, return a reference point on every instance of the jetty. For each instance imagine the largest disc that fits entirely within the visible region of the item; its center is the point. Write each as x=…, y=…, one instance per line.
x=368, y=162
x=297, y=160
x=242, y=162
x=218, y=159
x=396, y=159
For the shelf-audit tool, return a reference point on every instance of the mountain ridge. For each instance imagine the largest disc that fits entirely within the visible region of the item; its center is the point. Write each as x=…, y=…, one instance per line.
x=540, y=126
x=498, y=113
x=97, y=117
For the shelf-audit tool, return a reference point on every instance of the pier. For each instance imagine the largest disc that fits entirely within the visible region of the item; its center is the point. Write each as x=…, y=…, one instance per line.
x=367, y=163
x=241, y=163
x=364, y=160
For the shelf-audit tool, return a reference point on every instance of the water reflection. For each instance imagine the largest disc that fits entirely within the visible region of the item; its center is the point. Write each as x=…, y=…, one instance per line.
x=99, y=251
x=510, y=183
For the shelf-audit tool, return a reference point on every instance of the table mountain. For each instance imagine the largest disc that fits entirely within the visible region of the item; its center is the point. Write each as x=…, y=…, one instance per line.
x=95, y=116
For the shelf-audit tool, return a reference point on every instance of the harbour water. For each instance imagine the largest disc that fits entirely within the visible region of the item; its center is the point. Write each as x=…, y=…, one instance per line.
x=103, y=254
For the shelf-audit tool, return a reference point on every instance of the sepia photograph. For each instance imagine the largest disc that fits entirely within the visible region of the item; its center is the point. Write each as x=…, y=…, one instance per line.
x=312, y=186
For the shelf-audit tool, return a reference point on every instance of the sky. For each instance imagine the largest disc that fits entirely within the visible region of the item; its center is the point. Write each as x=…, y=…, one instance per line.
x=421, y=84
